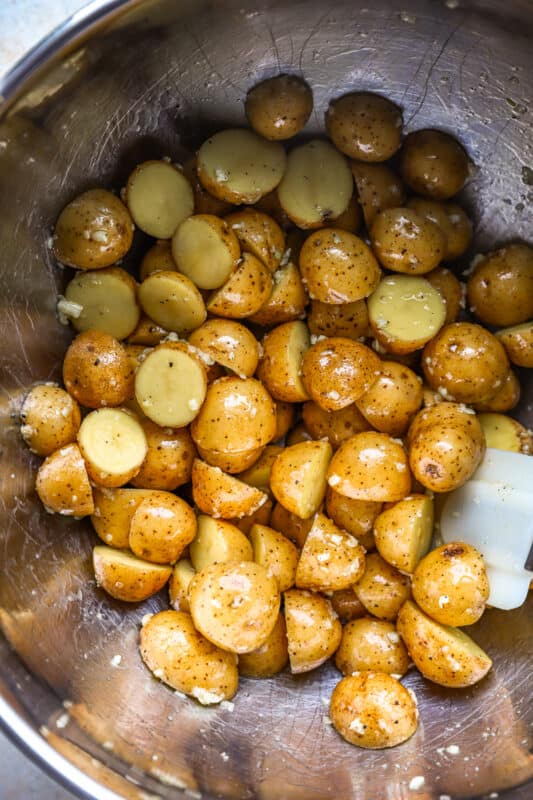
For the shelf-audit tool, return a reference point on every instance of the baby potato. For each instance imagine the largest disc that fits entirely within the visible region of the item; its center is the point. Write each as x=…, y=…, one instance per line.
x=287, y=301
x=244, y=292
x=405, y=241
x=405, y=312
x=181, y=657
x=168, y=460
x=221, y=495
x=290, y=525
x=269, y=204
x=260, y=516
x=331, y=559
x=228, y=343
x=97, y=371
x=518, y=343
x=451, y=219
x=450, y=584
x=50, y=418
x=269, y=659
x=378, y=188
x=113, y=445
x=172, y=301
x=278, y=107
x=239, y=166
x=403, y=532
x=258, y=234
x=433, y=164
x=126, y=577
x=93, y=231
x=465, y=363
x=350, y=219
x=113, y=511
x=338, y=267
x=393, y=399
x=506, y=398
x=382, y=589
x=285, y=414
x=62, y=483
x=448, y=414
x=204, y=203
x=348, y=320
x=276, y=553
x=450, y=289
x=317, y=184
x=365, y=126
x=258, y=474
x=235, y=605
x=313, y=630
x=373, y=710
x=159, y=197
x=337, y=371
x=107, y=301
x=230, y=462
x=158, y=258
x=505, y=433
x=178, y=587
x=161, y=528
x=346, y=605
x=371, y=645
x=444, y=655
x=335, y=426
x=298, y=477
x=281, y=365
x=206, y=250
x=355, y=516
x=500, y=289
x=444, y=456
x=147, y=334
x=218, y=541
x=370, y=466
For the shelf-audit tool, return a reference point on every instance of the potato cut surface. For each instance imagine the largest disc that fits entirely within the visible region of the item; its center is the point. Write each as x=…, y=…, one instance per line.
x=313, y=630
x=298, y=477
x=126, y=577
x=108, y=300
x=331, y=559
x=159, y=197
x=221, y=495
x=62, y=483
x=206, y=250
x=173, y=301
x=113, y=445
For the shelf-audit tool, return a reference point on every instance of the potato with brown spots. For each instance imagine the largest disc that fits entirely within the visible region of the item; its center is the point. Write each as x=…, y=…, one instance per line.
x=365, y=126
x=382, y=589
x=168, y=460
x=161, y=528
x=505, y=398
x=228, y=343
x=156, y=259
x=126, y=577
x=97, y=371
x=346, y=604
x=276, y=553
x=331, y=559
x=355, y=516
x=451, y=219
x=285, y=414
x=500, y=289
x=204, y=203
x=403, y=532
x=62, y=483
x=244, y=292
x=287, y=301
x=258, y=234
x=450, y=289
x=298, y=477
x=392, y=401
x=371, y=645
x=258, y=474
x=518, y=343
x=290, y=525
x=378, y=187
x=349, y=320
x=221, y=495
x=433, y=164
x=297, y=435
x=230, y=462
x=313, y=630
x=270, y=658
x=178, y=587
x=335, y=426
x=337, y=371
x=280, y=367
x=147, y=334
x=50, y=418
x=260, y=516
x=278, y=107
x=405, y=241
x=217, y=540
x=113, y=512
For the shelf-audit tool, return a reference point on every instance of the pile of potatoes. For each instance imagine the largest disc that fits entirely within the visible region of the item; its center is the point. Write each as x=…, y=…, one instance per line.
x=260, y=418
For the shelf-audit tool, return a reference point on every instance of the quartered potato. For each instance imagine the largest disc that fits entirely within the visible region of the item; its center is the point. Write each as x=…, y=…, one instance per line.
x=403, y=532
x=346, y=605
x=230, y=462
x=371, y=645
x=159, y=197
x=113, y=512
x=258, y=234
x=355, y=516
x=433, y=164
x=221, y=495
x=244, y=292
x=204, y=203
x=281, y=365
x=168, y=460
x=178, y=587
x=239, y=166
x=97, y=371
x=450, y=289
x=50, y=418
x=405, y=312
x=505, y=433
x=313, y=630
x=451, y=219
x=337, y=371
x=444, y=655
x=206, y=250
x=173, y=301
x=276, y=553
x=378, y=188
x=235, y=605
x=348, y=320
x=506, y=398
x=93, y=231
x=370, y=466
x=126, y=577
x=258, y=474
x=298, y=477
x=228, y=343
x=290, y=525
x=62, y=483
x=278, y=108
x=383, y=589
x=500, y=289
x=405, y=241
x=335, y=426
x=518, y=343
x=181, y=657
x=271, y=657
x=260, y=516
x=365, y=126
x=331, y=559
x=394, y=398
x=287, y=301
x=317, y=184
x=338, y=267
x=105, y=299
x=113, y=444
x=161, y=528
x=217, y=541
x=373, y=710
x=158, y=258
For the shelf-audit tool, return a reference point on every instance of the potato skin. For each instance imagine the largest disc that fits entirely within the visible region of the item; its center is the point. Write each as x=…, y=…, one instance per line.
x=230, y=462
x=371, y=644
x=335, y=426
x=97, y=371
x=349, y=320
x=113, y=510
x=500, y=289
x=373, y=710
x=50, y=419
x=403, y=531
x=346, y=605
x=221, y=495
x=281, y=364
x=365, y=126
x=452, y=220
x=433, y=164
x=355, y=516
x=405, y=241
x=443, y=456
x=258, y=234
x=126, y=577
x=168, y=462
x=331, y=559
x=298, y=477
x=378, y=187
x=62, y=483
x=157, y=258
x=382, y=589
x=337, y=371
x=269, y=659
x=313, y=630
x=508, y=396
x=279, y=107
x=518, y=343
x=290, y=525
x=450, y=289
x=161, y=528
x=229, y=343
x=276, y=552
x=392, y=400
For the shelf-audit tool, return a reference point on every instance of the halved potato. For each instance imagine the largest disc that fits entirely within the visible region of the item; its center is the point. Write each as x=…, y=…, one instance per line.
x=62, y=483
x=370, y=466
x=50, y=418
x=228, y=343
x=444, y=655
x=276, y=553
x=147, y=334
x=518, y=343
x=378, y=188
x=230, y=462
x=355, y=516
x=178, y=587
x=451, y=290
x=287, y=301
x=168, y=460
x=158, y=257
x=113, y=510
x=244, y=292
x=371, y=645
x=173, y=301
x=113, y=445
x=217, y=541
x=335, y=426
x=347, y=605
x=403, y=533
x=107, y=300
x=331, y=559
x=258, y=234
x=298, y=477
x=349, y=320
x=220, y=495
x=159, y=197
x=313, y=630
x=258, y=474
x=126, y=577
x=161, y=528
x=505, y=433
x=281, y=365
x=392, y=401
x=383, y=589
x=206, y=250
x=290, y=525
x=204, y=203
x=271, y=657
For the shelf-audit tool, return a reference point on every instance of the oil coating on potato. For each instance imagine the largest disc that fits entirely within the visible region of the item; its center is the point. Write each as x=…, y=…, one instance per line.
x=221, y=495
x=371, y=645
x=518, y=343
x=62, y=483
x=346, y=604
x=290, y=525
x=391, y=402
x=230, y=462
x=278, y=108
x=126, y=577
x=281, y=365
x=365, y=126
x=168, y=460
x=173, y=301
x=505, y=433
x=258, y=234
x=451, y=219
x=505, y=398
x=287, y=301
x=113, y=511
x=50, y=418
x=204, y=203
x=331, y=559
x=107, y=300
x=178, y=587
x=355, y=516
x=161, y=528
x=433, y=164
x=228, y=343
x=258, y=474
x=298, y=477
x=246, y=290
x=405, y=241
x=500, y=289
x=383, y=589
x=217, y=541
x=403, y=532
x=271, y=657
x=349, y=320
x=276, y=553
x=378, y=188
x=313, y=630
x=97, y=371
x=335, y=426
x=450, y=289
x=158, y=257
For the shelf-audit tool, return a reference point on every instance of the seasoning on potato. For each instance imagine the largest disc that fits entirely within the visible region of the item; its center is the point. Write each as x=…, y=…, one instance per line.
x=228, y=343
x=62, y=483
x=280, y=368
x=378, y=188
x=287, y=301
x=50, y=418
x=97, y=371
x=245, y=291
x=392, y=400
x=335, y=426
x=433, y=164
x=451, y=290
x=354, y=516
x=276, y=553
x=371, y=645
x=157, y=258
x=258, y=234
x=278, y=108
x=221, y=495
x=331, y=559
x=161, y=528
x=349, y=320
x=383, y=589
x=168, y=460
x=113, y=511
x=500, y=289
x=217, y=541
x=298, y=477
x=126, y=577
x=313, y=630
x=365, y=126
x=451, y=219
x=518, y=343
x=403, y=531
x=405, y=241
x=271, y=657
x=178, y=587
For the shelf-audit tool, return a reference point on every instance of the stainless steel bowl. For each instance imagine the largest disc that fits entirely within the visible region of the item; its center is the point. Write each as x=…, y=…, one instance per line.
x=123, y=81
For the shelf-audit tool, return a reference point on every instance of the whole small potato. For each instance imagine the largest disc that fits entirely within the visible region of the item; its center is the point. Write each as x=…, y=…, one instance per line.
x=444, y=456
x=298, y=477
x=346, y=604
x=451, y=219
x=335, y=426
x=355, y=516
x=518, y=343
x=276, y=553
x=287, y=301
x=281, y=365
x=313, y=630
x=62, y=483
x=403, y=531
x=465, y=363
x=382, y=589
x=290, y=525
x=229, y=343
x=452, y=415
x=331, y=559
x=405, y=241
x=337, y=371
x=168, y=461
x=373, y=710
x=365, y=126
x=378, y=187
x=50, y=418
x=259, y=234
x=433, y=164
x=500, y=289
x=271, y=657
x=450, y=289
x=221, y=495
x=371, y=645
x=450, y=584
x=94, y=230
x=279, y=107
x=349, y=320
x=393, y=399
x=161, y=528
x=97, y=371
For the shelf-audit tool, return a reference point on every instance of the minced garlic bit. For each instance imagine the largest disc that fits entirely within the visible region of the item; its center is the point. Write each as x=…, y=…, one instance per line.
x=206, y=697
x=67, y=310
x=417, y=782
